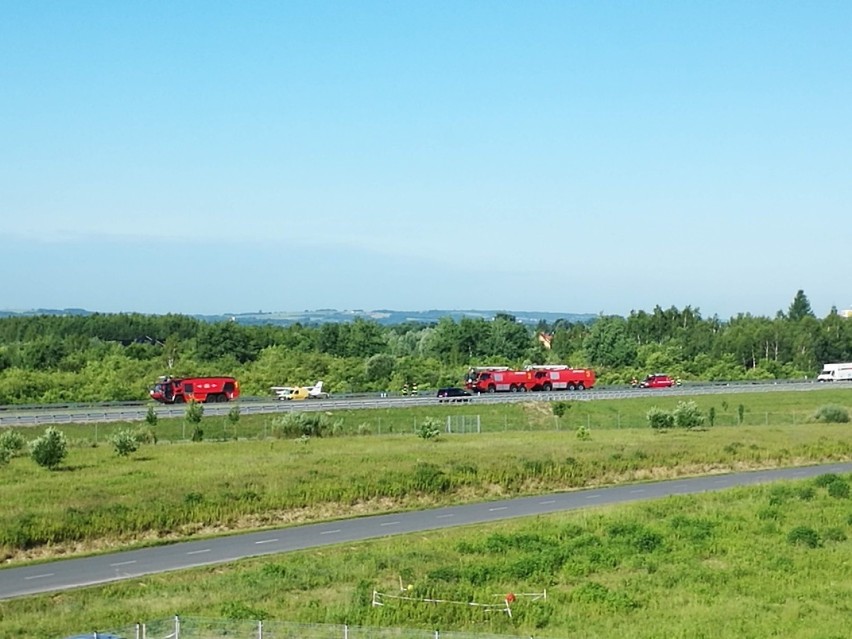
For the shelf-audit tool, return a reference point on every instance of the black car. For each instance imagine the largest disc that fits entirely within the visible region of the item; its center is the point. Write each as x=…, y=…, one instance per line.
x=453, y=395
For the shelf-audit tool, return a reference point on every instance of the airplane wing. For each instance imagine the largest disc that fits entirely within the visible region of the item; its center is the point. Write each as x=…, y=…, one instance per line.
x=282, y=392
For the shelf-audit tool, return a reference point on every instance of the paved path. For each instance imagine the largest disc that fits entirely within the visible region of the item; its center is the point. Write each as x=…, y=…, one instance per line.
x=87, y=571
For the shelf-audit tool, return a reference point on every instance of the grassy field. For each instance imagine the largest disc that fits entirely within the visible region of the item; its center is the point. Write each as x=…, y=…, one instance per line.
x=171, y=491
x=744, y=563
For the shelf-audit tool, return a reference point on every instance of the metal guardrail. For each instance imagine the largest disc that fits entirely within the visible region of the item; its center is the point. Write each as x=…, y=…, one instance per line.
x=132, y=412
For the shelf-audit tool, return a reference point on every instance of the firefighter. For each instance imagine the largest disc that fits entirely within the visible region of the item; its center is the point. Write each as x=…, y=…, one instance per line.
x=414, y=388
x=405, y=389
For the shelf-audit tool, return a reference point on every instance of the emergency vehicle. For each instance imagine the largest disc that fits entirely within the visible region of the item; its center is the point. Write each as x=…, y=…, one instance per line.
x=494, y=379
x=171, y=390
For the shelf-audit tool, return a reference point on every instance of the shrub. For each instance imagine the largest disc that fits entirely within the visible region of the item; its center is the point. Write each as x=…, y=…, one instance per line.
x=838, y=489
x=50, y=449
x=5, y=456
x=301, y=425
x=711, y=416
x=803, y=536
x=832, y=414
x=197, y=433
x=12, y=441
x=429, y=428
x=659, y=418
x=741, y=413
x=144, y=435
x=583, y=433
x=234, y=415
x=151, y=417
x=364, y=429
x=124, y=443
x=560, y=408
x=194, y=413
x=828, y=478
x=688, y=415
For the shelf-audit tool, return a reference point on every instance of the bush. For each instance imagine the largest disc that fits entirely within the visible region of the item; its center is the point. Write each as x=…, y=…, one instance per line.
x=583, y=433
x=151, y=417
x=124, y=443
x=429, y=428
x=194, y=413
x=5, y=456
x=659, y=418
x=560, y=408
x=838, y=489
x=144, y=435
x=688, y=415
x=12, y=442
x=50, y=449
x=301, y=425
x=804, y=536
x=234, y=415
x=832, y=414
x=197, y=433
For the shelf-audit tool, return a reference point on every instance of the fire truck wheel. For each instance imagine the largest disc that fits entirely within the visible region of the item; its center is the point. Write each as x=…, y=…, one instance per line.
x=492, y=388
x=580, y=386
x=570, y=386
x=547, y=387
x=513, y=389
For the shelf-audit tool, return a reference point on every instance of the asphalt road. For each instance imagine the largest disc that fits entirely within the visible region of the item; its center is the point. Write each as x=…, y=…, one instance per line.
x=136, y=411
x=87, y=571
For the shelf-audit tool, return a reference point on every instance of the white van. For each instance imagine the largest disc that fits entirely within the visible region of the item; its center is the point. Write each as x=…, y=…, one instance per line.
x=836, y=373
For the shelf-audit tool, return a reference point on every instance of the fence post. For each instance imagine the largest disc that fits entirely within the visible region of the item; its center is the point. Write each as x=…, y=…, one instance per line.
x=345, y=631
x=177, y=627
x=260, y=629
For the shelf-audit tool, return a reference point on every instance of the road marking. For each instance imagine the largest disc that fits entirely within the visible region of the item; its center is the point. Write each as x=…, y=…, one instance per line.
x=266, y=541
x=390, y=523
x=592, y=496
x=198, y=552
x=549, y=501
x=498, y=508
x=443, y=516
x=123, y=563
x=637, y=491
x=329, y=532
x=47, y=574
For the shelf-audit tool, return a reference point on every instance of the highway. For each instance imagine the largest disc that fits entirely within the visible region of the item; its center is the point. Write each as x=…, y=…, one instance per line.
x=87, y=571
x=136, y=411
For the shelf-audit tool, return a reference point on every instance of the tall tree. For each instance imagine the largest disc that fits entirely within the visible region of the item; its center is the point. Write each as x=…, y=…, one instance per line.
x=800, y=307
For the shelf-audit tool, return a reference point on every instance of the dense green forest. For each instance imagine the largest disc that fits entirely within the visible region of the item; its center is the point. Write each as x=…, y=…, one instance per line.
x=116, y=357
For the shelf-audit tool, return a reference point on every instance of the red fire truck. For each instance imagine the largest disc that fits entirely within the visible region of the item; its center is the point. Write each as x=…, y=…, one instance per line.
x=172, y=390
x=558, y=377
x=493, y=379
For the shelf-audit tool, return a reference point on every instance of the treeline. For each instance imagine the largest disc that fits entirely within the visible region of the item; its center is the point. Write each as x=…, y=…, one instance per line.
x=115, y=357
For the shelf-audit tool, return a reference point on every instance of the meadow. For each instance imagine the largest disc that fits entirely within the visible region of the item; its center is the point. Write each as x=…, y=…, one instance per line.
x=248, y=477
x=744, y=563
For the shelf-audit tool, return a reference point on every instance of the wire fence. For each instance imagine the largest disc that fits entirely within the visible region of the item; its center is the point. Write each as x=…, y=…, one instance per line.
x=465, y=420
x=201, y=628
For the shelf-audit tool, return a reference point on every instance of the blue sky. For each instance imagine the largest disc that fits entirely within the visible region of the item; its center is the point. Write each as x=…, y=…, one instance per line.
x=206, y=157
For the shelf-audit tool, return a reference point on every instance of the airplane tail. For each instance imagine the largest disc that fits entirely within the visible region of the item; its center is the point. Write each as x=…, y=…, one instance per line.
x=318, y=387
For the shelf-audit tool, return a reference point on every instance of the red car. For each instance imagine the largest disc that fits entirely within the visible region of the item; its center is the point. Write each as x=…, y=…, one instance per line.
x=657, y=381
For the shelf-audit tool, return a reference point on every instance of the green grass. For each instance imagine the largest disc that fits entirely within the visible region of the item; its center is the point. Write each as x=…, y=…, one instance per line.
x=724, y=565
x=172, y=491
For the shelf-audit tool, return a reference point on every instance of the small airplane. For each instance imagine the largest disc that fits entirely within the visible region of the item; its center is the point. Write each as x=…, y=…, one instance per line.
x=300, y=392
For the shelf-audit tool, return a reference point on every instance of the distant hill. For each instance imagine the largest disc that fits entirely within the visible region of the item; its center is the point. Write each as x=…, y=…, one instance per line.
x=327, y=315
